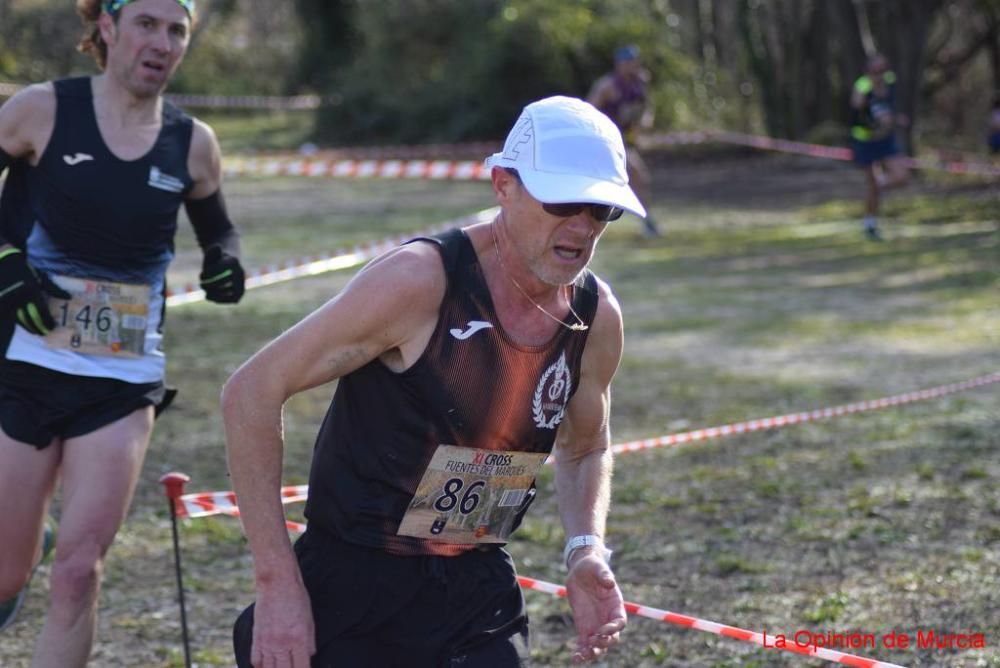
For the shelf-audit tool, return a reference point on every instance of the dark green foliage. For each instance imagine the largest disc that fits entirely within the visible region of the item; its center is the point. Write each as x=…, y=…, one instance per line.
x=419, y=71
x=28, y=37
x=328, y=40
x=438, y=70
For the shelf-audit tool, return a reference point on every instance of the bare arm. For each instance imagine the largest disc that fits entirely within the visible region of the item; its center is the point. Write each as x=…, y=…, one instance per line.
x=602, y=92
x=859, y=93
x=648, y=110
x=388, y=310
x=583, y=484
x=27, y=120
x=204, y=161
x=26, y=123
x=383, y=310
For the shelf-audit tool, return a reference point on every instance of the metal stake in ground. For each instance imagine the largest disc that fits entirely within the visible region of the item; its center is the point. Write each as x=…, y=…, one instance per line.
x=173, y=485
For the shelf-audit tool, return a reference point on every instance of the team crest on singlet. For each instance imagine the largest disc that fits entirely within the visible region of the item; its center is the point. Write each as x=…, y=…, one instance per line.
x=552, y=394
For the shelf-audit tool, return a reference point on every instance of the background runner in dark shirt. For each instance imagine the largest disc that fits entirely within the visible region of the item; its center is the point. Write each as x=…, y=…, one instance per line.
x=873, y=137
x=623, y=95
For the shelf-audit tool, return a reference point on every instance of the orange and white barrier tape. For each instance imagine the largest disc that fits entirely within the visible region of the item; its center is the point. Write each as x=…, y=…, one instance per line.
x=297, y=527
x=782, y=145
x=391, y=162
x=216, y=503
x=798, y=418
x=469, y=170
x=339, y=259
x=841, y=153
x=269, y=102
x=476, y=150
x=224, y=503
x=659, y=140
x=435, y=170
x=722, y=629
x=955, y=166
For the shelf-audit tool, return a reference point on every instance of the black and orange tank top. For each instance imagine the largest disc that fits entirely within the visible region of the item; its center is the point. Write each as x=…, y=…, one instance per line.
x=473, y=387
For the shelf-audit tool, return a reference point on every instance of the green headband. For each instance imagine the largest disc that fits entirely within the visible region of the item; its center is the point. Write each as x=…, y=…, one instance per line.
x=114, y=6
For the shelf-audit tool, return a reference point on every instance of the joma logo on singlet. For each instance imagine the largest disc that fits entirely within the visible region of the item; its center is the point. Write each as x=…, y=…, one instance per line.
x=162, y=181
x=73, y=160
x=473, y=327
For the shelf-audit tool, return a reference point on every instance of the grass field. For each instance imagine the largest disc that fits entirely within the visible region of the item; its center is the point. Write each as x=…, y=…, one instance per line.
x=761, y=299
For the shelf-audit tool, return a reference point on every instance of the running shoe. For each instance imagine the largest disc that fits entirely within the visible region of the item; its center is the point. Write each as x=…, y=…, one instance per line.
x=10, y=607
x=872, y=234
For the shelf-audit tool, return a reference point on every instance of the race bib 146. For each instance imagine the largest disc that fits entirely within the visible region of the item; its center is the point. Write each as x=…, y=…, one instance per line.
x=100, y=318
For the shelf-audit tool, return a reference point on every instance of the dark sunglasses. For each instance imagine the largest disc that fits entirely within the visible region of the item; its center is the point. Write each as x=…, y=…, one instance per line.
x=602, y=213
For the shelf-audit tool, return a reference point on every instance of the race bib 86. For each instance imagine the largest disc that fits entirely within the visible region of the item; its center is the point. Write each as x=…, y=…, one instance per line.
x=468, y=495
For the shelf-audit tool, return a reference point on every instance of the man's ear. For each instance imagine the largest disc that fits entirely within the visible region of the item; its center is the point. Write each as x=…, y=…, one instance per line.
x=504, y=183
x=109, y=31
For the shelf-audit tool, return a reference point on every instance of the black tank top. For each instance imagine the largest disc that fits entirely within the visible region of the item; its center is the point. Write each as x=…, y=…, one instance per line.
x=116, y=216
x=865, y=116
x=99, y=216
x=472, y=387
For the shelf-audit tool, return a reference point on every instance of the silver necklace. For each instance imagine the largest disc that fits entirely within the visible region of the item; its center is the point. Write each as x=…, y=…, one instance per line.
x=578, y=326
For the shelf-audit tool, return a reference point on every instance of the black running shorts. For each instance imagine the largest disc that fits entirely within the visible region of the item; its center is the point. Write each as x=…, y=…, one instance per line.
x=38, y=405
x=372, y=608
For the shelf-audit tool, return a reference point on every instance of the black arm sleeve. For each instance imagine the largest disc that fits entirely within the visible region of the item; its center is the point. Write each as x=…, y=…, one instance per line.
x=211, y=223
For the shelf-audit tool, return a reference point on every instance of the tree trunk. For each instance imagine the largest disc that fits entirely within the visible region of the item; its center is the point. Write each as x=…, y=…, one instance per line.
x=991, y=9
x=4, y=13
x=759, y=57
x=816, y=88
x=901, y=30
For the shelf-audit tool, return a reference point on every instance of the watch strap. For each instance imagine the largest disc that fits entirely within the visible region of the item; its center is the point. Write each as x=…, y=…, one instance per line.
x=585, y=540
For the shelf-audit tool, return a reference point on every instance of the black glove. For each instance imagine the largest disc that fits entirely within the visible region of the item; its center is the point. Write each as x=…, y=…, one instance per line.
x=221, y=277
x=22, y=293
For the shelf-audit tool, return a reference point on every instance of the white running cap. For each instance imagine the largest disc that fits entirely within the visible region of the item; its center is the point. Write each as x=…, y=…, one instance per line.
x=565, y=150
